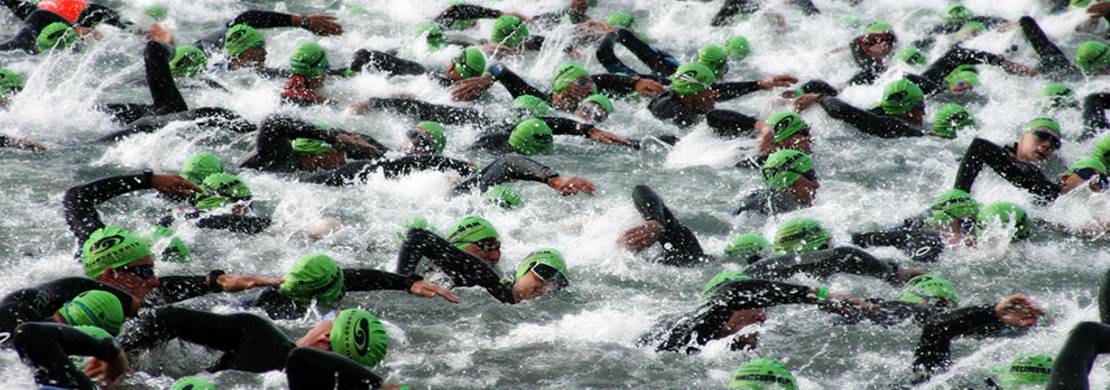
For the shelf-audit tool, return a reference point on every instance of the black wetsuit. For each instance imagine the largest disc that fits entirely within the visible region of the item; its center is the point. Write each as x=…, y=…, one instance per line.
x=934, y=348
x=918, y=242
x=274, y=149
x=1086, y=342
x=666, y=107
x=313, y=369
x=461, y=12
x=424, y=111
x=214, y=41
x=1054, y=64
x=747, y=7
x=507, y=168
x=39, y=303
x=824, y=263
x=238, y=223
x=464, y=269
x=46, y=347
x=1021, y=174
x=954, y=27
x=169, y=105
x=873, y=122
x=768, y=202
x=279, y=306
x=932, y=80
x=661, y=63
x=612, y=85
x=359, y=171
x=35, y=19
x=1094, y=115
x=702, y=325
x=498, y=141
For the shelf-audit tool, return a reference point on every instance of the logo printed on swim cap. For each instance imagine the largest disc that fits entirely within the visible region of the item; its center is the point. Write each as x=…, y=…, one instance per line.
x=362, y=336
x=107, y=243
x=783, y=124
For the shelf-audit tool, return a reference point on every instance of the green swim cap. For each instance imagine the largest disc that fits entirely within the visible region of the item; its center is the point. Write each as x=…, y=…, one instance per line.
x=417, y=223
x=911, y=56
x=437, y=132
x=722, y=278
x=509, y=30
x=311, y=147
x=621, y=19
x=784, y=167
x=188, y=61
x=1102, y=150
x=192, y=383
x=1044, y=123
x=534, y=106
x=470, y=63
x=763, y=374
x=309, y=60
x=1026, y=370
x=1002, y=214
x=953, y=204
x=470, y=230
x=432, y=35
x=221, y=189
x=1092, y=57
x=358, y=10
x=199, y=166
x=900, y=97
x=737, y=48
x=94, y=308
x=177, y=251
x=786, y=124
x=545, y=256
x=715, y=58
x=923, y=287
x=950, y=119
x=600, y=100
x=10, y=82
x=957, y=13
x=746, y=246
x=157, y=12
x=972, y=28
x=1059, y=96
x=314, y=276
x=55, y=34
x=503, y=196
x=800, y=235
x=965, y=76
x=240, y=38
x=692, y=78
x=1088, y=162
x=111, y=247
x=877, y=27
x=359, y=336
x=532, y=136
x=565, y=74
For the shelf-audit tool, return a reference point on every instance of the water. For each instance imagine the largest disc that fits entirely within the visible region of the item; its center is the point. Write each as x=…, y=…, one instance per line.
x=585, y=338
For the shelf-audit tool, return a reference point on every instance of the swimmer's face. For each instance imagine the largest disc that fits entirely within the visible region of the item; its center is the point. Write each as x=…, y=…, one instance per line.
x=1036, y=145
x=568, y=99
x=452, y=74
x=136, y=278
x=330, y=160
x=531, y=287
x=488, y=249
x=253, y=57
x=804, y=190
x=418, y=142
x=877, y=44
x=591, y=112
x=800, y=142
x=319, y=337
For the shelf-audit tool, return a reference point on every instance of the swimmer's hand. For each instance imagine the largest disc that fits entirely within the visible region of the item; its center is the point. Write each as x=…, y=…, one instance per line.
x=356, y=142
x=1017, y=310
x=777, y=81
x=235, y=283
x=471, y=89
x=424, y=289
x=567, y=186
x=108, y=372
x=321, y=24
x=649, y=88
x=640, y=237
x=173, y=185
x=606, y=137
x=806, y=101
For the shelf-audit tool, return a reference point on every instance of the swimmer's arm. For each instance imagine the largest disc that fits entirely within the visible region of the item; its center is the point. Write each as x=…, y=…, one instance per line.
x=933, y=350
x=80, y=201
x=1094, y=114
x=514, y=84
x=310, y=363
x=867, y=122
x=72, y=286
x=464, y=12
x=367, y=279
x=735, y=89
x=235, y=223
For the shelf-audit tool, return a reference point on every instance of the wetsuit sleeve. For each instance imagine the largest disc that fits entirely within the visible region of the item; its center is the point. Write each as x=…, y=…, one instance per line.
x=951, y=59
x=1094, y=114
x=25, y=38
x=730, y=124
x=273, y=148
x=96, y=14
x=735, y=89
x=459, y=12
x=249, y=342
x=819, y=87
x=465, y=270
x=867, y=122
x=608, y=58
x=393, y=65
x=567, y=126
x=667, y=107
x=661, y=63
x=21, y=8
x=409, y=164
x=870, y=69
x=366, y=279
x=933, y=350
x=514, y=84
x=47, y=347
x=65, y=289
x=235, y=223
x=509, y=168
x=173, y=289
x=494, y=143
x=704, y=324
x=824, y=263
x=982, y=152
x=919, y=243
x=757, y=201
x=731, y=8
x=1104, y=299
x=163, y=91
x=807, y=7
x=5, y=141
x=80, y=201
x=262, y=19
x=614, y=85
x=1053, y=60
x=312, y=369
x=1072, y=365
x=421, y=110
x=680, y=246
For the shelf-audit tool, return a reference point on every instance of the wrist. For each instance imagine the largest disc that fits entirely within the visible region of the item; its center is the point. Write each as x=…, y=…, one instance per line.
x=148, y=177
x=551, y=176
x=214, y=281
x=304, y=22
